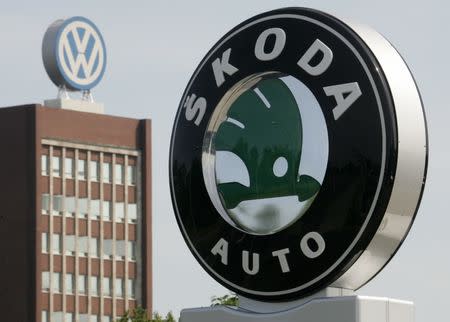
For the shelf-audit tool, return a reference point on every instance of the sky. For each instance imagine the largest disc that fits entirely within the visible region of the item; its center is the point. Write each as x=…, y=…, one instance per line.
x=153, y=49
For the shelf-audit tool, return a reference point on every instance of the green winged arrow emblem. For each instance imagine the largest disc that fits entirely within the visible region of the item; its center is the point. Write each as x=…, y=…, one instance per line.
x=264, y=125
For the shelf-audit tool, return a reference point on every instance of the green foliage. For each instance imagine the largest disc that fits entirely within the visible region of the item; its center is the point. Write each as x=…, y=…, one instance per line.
x=170, y=317
x=229, y=299
x=139, y=314
x=157, y=317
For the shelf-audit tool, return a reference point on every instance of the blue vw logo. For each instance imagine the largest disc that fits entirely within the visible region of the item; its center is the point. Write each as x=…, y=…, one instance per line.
x=74, y=53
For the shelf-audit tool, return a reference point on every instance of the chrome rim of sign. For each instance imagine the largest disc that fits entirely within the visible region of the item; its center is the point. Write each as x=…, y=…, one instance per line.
x=74, y=53
x=298, y=156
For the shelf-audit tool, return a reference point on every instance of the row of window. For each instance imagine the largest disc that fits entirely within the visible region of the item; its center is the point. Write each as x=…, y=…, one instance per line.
x=88, y=245
x=69, y=317
x=80, y=170
x=106, y=287
x=72, y=205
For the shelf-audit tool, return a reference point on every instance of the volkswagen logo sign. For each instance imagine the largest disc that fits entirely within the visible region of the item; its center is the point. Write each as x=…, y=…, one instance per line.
x=298, y=155
x=74, y=53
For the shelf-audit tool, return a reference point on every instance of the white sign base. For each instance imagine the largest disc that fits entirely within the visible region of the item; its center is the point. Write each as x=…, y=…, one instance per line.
x=76, y=105
x=346, y=308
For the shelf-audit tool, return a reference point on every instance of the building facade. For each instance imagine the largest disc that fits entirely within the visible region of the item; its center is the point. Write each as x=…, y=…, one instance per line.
x=75, y=228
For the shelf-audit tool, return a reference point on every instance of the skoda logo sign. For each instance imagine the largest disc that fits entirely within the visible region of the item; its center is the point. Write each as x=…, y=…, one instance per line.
x=298, y=155
x=74, y=53
x=267, y=154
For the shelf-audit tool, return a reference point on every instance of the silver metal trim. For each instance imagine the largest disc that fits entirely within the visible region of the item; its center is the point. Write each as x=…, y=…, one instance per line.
x=411, y=162
x=208, y=150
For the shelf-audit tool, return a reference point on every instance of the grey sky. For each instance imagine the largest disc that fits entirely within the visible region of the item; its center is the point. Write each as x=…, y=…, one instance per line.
x=154, y=47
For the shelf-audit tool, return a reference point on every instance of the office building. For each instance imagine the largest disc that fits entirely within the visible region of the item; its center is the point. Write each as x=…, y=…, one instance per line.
x=75, y=216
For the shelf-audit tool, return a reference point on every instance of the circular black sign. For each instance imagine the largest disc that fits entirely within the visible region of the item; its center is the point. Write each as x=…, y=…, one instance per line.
x=285, y=153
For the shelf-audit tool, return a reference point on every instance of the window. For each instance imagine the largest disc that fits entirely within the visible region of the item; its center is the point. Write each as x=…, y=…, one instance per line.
x=107, y=248
x=69, y=283
x=70, y=206
x=84, y=318
x=106, y=318
x=81, y=171
x=107, y=174
x=119, y=211
x=57, y=205
x=131, y=288
x=132, y=212
x=81, y=284
x=56, y=243
x=119, y=174
x=94, y=171
x=120, y=249
x=94, y=285
x=44, y=165
x=82, y=208
x=131, y=250
x=44, y=316
x=45, y=243
x=70, y=244
x=118, y=287
x=93, y=247
x=106, y=286
x=68, y=317
x=83, y=245
x=95, y=209
x=68, y=167
x=57, y=317
x=131, y=175
x=46, y=281
x=56, y=281
x=56, y=166
x=87, y=318
x=45, y=203
x=107, y=213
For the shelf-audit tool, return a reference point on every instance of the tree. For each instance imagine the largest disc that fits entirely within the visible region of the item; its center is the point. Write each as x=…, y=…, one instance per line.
x=140, y=314
x=170, y=317
x=229, y=299
x=156, y=317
